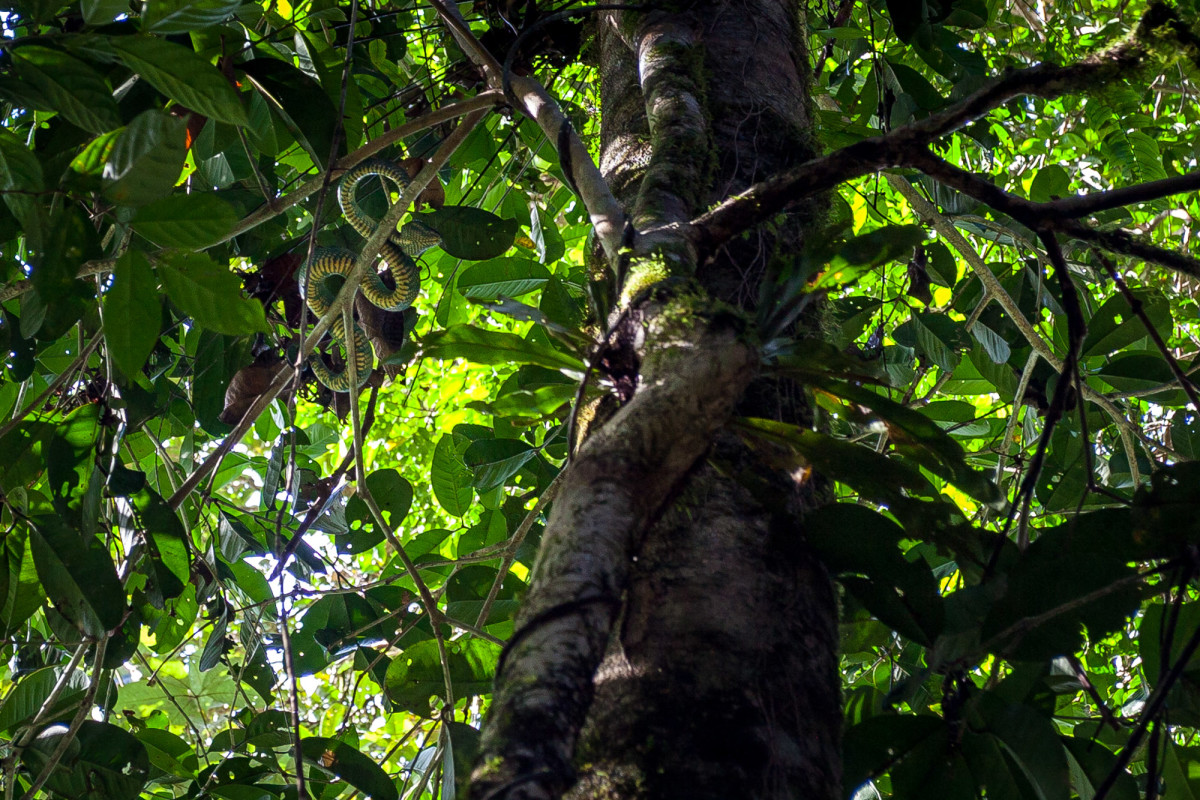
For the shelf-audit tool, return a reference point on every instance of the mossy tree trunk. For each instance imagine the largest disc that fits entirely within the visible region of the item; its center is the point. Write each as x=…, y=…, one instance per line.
x=679, y=638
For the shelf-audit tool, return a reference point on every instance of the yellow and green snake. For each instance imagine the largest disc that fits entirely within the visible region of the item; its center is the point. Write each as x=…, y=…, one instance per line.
x=327, y=263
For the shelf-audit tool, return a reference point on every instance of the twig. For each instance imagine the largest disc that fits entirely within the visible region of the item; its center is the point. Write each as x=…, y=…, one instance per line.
x=85, y=709
x=56, y=384
x=514, y=545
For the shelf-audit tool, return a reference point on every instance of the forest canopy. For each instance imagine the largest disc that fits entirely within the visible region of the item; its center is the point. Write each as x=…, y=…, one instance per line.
x=249, y=552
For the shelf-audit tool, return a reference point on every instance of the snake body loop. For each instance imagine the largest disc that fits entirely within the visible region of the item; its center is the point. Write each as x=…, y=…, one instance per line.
x=318, y=278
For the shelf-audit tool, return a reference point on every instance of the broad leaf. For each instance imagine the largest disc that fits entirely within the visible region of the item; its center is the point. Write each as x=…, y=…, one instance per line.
x=210, y=294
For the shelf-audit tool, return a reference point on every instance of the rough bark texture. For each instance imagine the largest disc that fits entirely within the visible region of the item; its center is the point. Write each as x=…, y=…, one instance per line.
x=721, y=680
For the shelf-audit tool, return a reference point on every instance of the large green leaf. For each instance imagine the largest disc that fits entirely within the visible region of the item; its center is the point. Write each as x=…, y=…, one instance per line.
x=494, y=461
x=185, y=16
x=416, y=676
x=191, y=221
x=166, y=543
x=105, y=762
x=145, y=161
x=20, y=179
x=69, y=86
x=450, y=477
x=210, y=294
x=511, y=277
x=25, y=700
x=350, y=765
x=300, y=101
x=471, y=233
x=495, y=347
x=23, y=593
x=78, y=575
x=183, y=76
x=132, y=312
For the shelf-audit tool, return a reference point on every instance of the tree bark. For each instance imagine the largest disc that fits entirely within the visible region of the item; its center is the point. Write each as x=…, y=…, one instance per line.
x=672, y=541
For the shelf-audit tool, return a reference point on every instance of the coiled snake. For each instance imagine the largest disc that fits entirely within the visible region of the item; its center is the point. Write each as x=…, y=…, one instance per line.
x=327, y=263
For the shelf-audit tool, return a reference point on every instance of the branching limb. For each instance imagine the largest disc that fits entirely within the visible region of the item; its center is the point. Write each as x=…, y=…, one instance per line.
x=607, y=215
x=904, y=146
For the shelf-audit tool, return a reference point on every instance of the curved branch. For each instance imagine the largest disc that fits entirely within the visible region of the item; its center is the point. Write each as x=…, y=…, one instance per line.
x=904, y=146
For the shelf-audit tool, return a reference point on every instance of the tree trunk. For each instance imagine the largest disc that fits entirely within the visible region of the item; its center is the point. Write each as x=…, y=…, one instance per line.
x=720, y=673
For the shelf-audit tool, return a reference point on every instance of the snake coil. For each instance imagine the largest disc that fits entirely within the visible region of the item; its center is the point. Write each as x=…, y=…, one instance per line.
x=398, y=252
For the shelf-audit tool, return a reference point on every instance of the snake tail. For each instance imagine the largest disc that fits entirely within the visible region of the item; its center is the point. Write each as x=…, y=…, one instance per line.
x=319, y=289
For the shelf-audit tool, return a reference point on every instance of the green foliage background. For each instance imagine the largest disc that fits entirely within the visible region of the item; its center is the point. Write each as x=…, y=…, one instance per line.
x=157, y=642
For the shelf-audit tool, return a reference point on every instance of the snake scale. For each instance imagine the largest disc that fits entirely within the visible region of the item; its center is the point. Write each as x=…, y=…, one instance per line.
x=324, y=274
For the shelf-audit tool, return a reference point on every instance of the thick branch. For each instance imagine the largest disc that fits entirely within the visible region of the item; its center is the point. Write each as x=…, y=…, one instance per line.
x=764, y=200
x=669, y=64
x=607, y=215
x=614, y=488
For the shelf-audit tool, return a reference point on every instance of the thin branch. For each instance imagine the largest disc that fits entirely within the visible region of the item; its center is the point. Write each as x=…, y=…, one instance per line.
x=59, y=381
x=514, y=544
x=607, y=215
x=85, y=710
x=767, y=198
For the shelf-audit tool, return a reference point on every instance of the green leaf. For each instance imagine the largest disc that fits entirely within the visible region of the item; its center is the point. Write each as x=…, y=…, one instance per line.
x=1091, y=765
x=393, y=494
x=350, y=765
x=416, y=675
x=877, y=743
x=1031, y=740
x=23, y=590
x=494, y=461
x=864, y=253
x=132, y=312
x=300, y=100
x=471, y=233
x=185, y=16
x=1136, y=371
x=166, y=542
x=1051, y=182
x=450, y=477
x=169, y=753
x=1153, y=642
x=25, y=700
x=183, y=76
x=210, y=294
x=511, y=277
x=872, y=474
x=191, y=221
x=995, y=346
x=907, y=17
x=20, y=179
x=546, y=236
x=495, y=347
x=102, y=12
x=69, y=86
x=104, y=762
x=901, y=593
x=936, y=339
x=1115, y=326
x=146, y=159
x=78, y=575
